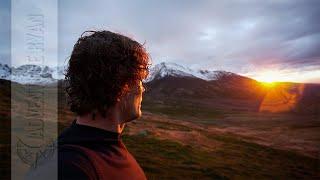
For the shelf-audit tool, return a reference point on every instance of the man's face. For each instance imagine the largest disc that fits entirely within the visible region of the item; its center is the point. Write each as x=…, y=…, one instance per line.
x=132, y=107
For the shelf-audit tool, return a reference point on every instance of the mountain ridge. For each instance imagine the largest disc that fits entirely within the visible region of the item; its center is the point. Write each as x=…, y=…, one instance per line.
x=43, y=75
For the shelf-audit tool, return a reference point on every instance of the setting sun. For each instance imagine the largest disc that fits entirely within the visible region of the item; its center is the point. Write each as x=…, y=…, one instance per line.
x=268, y=84
x=269, y=77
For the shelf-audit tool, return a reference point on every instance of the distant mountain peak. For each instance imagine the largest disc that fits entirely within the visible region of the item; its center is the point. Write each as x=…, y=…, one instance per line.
x=164, y=69
x=5, y=71
x=31, y=74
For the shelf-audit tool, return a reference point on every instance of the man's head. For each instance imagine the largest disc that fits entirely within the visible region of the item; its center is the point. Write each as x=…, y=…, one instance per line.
x=106, y=69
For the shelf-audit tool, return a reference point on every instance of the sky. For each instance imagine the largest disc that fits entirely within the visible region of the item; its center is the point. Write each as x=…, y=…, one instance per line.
x=278, y=38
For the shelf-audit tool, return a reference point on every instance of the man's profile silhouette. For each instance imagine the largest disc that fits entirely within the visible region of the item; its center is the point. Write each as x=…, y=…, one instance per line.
x=104, y=89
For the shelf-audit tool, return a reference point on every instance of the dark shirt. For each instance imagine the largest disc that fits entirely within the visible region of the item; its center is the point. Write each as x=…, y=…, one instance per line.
x=119, y=163
x=116, y=162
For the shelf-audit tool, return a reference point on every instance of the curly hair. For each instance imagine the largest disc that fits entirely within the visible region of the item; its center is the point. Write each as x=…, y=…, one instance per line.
x=102, y=68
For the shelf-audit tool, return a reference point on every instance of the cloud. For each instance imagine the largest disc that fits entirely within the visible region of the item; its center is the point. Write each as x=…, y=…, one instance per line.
x=206, y=33
x=238, y=36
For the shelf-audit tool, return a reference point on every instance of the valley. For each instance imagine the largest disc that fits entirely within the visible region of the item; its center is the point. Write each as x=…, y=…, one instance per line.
x=224, y=128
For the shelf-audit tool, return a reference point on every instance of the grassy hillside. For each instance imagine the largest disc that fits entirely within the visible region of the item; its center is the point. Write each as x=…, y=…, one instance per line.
x=235, y=159
x=184, y=137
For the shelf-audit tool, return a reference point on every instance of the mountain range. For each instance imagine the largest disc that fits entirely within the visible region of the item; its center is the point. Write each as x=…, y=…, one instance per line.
x=31, y=74
x=41, y=75
x=174, y=85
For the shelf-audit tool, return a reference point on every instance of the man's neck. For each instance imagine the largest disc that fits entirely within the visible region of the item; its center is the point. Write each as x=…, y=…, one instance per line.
x=109, y=123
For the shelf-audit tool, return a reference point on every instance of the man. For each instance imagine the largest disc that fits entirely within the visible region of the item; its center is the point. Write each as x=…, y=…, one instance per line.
x=104, y=89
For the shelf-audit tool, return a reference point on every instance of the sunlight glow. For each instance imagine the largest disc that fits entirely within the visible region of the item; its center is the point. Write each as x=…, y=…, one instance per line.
x=281, y=98
x=268, y=84
x=269, y=77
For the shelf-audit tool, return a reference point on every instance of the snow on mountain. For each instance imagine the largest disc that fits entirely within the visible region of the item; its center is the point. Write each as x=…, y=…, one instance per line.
x=167, y=69
x=35, y=74
x=31, y=74
x=172, y=69
x=5, y=71
x=58, y=72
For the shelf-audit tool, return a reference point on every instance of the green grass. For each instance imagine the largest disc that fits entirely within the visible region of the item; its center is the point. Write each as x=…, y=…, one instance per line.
x=172, y=126
x=235, y=159
x=163, y=159
x=181, y=111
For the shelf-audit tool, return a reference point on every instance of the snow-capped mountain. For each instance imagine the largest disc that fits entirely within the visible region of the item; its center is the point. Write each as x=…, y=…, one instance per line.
x=5, y=71
x=31, y=74
x=167, y=69
x=172, y=69
x=35, y=74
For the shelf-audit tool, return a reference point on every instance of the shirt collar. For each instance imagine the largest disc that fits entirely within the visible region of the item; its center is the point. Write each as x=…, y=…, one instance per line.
x=83, y=133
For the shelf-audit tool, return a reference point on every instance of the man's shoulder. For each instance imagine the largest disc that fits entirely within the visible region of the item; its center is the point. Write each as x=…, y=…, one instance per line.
x=74, y=165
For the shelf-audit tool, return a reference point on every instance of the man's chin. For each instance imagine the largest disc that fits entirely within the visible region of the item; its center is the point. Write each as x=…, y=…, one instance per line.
x=135, y=116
